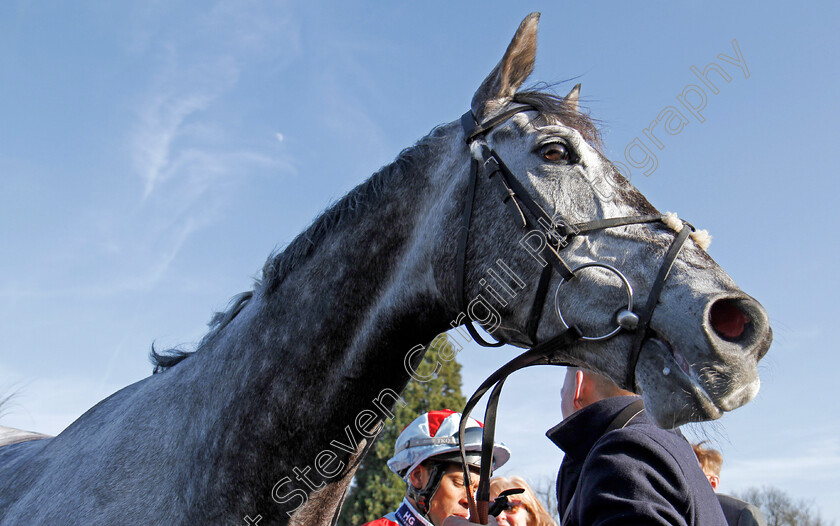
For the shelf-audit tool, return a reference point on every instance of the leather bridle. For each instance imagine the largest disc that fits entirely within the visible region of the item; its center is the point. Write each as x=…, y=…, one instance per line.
x=487, y=164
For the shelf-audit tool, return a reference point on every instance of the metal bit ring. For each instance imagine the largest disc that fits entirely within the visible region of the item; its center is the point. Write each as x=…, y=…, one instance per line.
x=627, y=287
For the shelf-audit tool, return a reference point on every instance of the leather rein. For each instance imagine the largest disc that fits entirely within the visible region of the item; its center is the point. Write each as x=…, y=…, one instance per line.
x=487, y=164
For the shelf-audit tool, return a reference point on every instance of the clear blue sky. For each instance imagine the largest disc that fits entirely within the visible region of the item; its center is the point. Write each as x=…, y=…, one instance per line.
x=152, y=154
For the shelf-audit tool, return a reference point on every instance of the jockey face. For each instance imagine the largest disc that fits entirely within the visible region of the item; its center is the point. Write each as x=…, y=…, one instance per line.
x=451, y=495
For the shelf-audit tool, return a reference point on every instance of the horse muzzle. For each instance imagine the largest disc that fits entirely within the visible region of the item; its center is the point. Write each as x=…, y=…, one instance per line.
x=696, y=383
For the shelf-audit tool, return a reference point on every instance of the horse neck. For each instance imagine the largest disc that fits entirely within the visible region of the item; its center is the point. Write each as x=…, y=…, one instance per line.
x=327, y=341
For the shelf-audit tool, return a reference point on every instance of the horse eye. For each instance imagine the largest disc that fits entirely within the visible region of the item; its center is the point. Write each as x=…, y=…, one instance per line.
x=555, y=152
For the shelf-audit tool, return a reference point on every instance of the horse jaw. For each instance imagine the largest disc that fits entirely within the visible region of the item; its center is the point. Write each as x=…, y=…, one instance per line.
x=676, y=393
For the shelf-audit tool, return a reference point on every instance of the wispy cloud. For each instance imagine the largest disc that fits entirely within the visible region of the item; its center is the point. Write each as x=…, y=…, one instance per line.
x=185, y=146
x=197, y=68
x=161, y=122
x=193, y=152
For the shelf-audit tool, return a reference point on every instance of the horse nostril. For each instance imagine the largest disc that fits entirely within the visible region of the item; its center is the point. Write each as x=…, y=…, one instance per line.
x=727, y=319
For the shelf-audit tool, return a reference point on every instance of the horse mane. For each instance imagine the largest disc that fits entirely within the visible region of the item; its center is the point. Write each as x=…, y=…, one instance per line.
x=281, y=263
x=169, y=357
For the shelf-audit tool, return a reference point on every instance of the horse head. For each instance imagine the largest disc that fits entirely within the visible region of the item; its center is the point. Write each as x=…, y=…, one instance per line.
x=696, y=353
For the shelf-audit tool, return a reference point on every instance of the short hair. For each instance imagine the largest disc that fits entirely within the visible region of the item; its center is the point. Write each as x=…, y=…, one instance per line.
x=710, y=459
x=528, y=499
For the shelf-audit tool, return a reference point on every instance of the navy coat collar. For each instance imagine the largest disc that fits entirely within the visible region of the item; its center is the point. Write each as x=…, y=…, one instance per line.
x=577, y=434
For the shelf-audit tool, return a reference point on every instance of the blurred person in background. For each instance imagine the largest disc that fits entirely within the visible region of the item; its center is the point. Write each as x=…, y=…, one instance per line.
x=524, y=509
x=736, y=511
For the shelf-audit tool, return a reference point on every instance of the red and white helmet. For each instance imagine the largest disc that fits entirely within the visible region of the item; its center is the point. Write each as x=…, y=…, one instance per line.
x=435, y=434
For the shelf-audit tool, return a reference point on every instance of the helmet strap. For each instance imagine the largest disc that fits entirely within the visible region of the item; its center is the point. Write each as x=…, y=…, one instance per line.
x=423, y=497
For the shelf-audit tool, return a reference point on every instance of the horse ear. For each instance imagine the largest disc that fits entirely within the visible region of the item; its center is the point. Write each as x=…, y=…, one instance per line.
x=571, y=100
x=499, y=87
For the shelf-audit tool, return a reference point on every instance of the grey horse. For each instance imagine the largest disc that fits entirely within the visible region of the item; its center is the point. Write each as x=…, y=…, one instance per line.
x=265, y=423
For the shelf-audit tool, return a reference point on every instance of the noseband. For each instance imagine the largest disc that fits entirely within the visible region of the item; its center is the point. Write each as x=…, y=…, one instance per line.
x=531, y=217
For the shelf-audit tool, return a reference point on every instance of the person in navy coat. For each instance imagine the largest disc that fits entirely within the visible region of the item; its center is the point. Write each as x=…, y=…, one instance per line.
x=619, y=467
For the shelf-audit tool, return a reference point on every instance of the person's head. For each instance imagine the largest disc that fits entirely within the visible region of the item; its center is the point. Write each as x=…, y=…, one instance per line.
x=448, y=497
x=426, y=456
x=525, y=509
x=583, y=387
x=710, y=462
